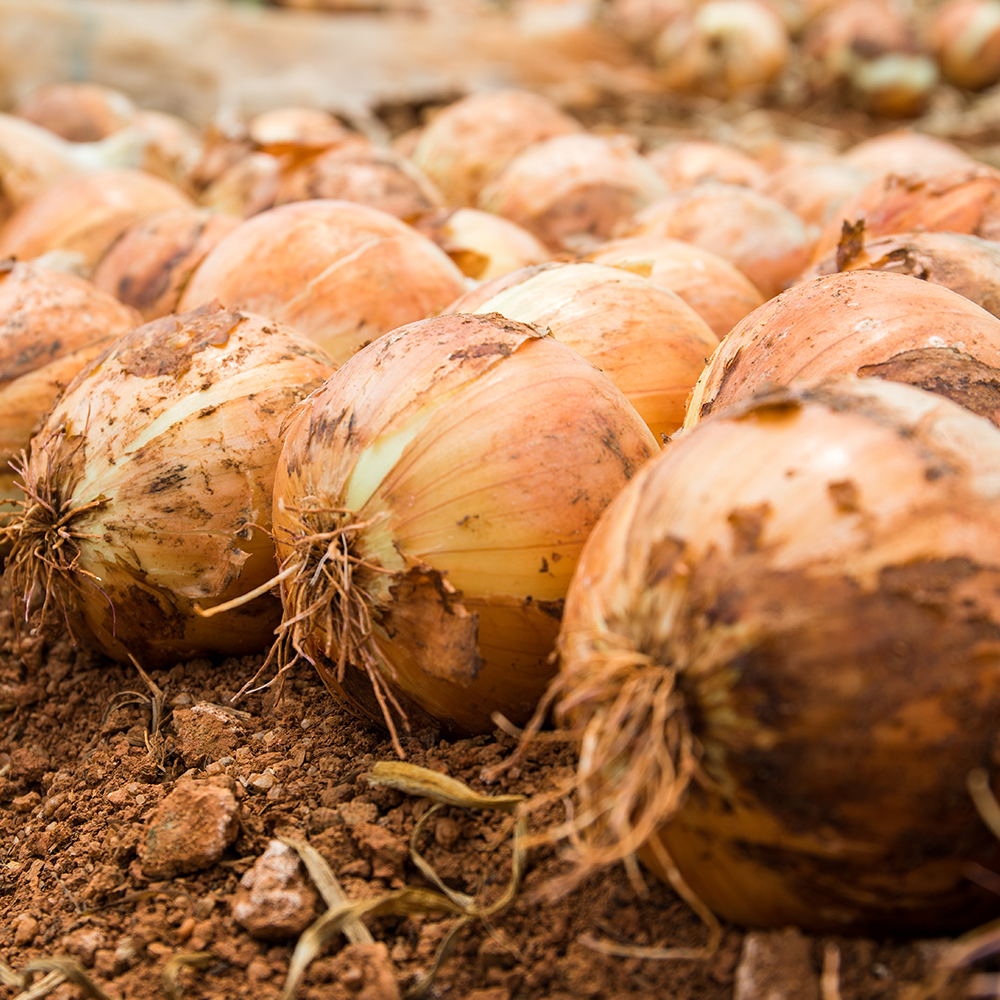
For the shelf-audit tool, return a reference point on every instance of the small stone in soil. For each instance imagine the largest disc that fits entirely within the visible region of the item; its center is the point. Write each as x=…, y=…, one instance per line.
x=776, y=965
x=274, y=900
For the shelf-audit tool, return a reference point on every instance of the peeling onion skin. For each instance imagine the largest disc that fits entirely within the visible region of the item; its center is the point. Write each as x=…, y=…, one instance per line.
x=810, y=583
x=468, y=457
x=159, y=459
x=51, y=325
x=150, y=264
x=644, y=337
x=868, y=323
x=341, y=273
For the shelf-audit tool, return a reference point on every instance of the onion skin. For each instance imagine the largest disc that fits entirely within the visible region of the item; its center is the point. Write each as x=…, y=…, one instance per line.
x=719, y=293
x=857, y=323
x=966, y=264
x=756, y=234
x=469, y=142
x=341, y=273
x=157, y=466
x=85, y=213
x=467, y=458
x=148, y=266
x=645, y=338
x=79, y=112
x=687, y=162
x=807, y=586
x=907, y=153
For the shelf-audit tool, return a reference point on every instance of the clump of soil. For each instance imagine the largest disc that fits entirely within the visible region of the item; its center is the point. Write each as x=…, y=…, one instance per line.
x=88, y=756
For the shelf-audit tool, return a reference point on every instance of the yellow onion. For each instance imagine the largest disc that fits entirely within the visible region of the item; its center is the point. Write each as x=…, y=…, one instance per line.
x=341, y=273
x=172, y=146
x=964, y=36
x=869, y=323
x=483, y=245
x=429, y=506
x=244, y=188
x=225, y=143
x=966, y=264
x=298, y=130
x=149, y=265
x=964, y=200
x=719, y=293
x=83, y=214
x=379, y=178
x=816, y=192
x=469, y=142
x=724, y=48
x=80, y=112
x=640, y=21
x=51, y=325
x=906, y=153
x=572, y=191
x=687, y=162
x=766, y=241
x=780, y=653
x=149, y=488
x=644, y=337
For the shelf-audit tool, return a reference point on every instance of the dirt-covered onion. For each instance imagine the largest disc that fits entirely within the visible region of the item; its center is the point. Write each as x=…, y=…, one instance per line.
x=469, y=142
x=430, y=503
x=780, y=652
x=644, y=337
x=719, y=293
x=83, y=214
x=869, y=323
x=149, y=265
x=149, y=488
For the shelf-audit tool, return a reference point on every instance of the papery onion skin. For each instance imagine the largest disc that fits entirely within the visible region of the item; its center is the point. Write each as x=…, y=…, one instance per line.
x=156, y=469
x=85, y=213
x=859, y=323
x=808, y=587
x=150, y=264
x=644, y=337
x=464, y=459
x=341, y=273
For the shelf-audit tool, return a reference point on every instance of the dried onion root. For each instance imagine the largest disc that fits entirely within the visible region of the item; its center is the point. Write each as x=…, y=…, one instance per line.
x=430, y=504
x=148, y=488
x=779, y=653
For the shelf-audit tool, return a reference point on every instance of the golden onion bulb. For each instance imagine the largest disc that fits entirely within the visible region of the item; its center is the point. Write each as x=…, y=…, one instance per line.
x=644, y=337
x=149, y=488
x=780, y=653
x=429, y=507
x=868, y=323
x=79, y=111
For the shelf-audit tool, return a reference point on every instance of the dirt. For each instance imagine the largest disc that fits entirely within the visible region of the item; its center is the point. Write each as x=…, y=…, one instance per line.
x=85, y=772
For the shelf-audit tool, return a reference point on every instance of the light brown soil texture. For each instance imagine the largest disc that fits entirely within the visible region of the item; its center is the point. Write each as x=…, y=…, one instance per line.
x=83, y=776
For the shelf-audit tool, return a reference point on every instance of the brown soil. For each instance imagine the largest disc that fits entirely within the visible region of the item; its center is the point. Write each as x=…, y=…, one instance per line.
x=82, y=775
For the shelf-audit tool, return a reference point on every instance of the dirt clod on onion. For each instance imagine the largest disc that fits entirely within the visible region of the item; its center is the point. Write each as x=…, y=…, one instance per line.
x=780, y=655
x=148, y=489
x=430, y=503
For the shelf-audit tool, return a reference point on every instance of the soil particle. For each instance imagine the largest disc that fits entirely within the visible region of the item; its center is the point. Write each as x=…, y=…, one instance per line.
x=274, y=901
x=776, y=966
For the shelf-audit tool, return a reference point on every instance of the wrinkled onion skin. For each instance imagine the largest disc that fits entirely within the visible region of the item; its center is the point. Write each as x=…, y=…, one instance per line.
x=480, y=518
x=176, y=425
x=822, y=568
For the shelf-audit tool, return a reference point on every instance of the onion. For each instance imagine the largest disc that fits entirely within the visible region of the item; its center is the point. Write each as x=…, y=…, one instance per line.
x=240, y=190
x=430, y=504
x=964, y=36
x=572, y=191
x=85, y=213
x=173, y=147
x=51, y=325
x=640, y=21
x=225, y=144
x=343, y=274
x=965, y=264
x=149, y=488
x=756, y=234
x=797, y=606
x=80, y=112
x=966, y=200
x=482, y=244
x=299, y=130
x=687, y=162
x=725, y=48
x=645, y=338
x=719, y=293
x=860, y=322
x=149, y=265
x=906, y=153
x=816, y=192
x=469, y=142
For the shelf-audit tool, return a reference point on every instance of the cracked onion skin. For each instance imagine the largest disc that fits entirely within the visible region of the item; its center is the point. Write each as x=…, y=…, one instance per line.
x=149, y=488
x=869, y=323
x=440, y=486
x=808, y=586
